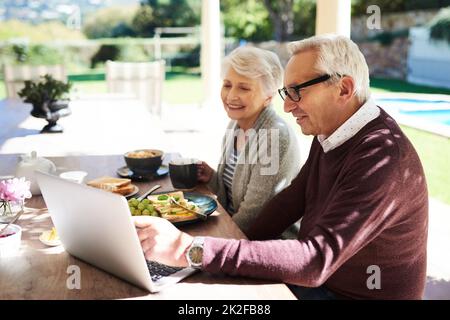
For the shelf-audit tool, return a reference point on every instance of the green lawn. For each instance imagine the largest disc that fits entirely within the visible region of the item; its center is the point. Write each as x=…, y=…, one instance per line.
x=393, y=85
x=2, y=90
x=434, y=151
x=182, y=89
x=178, y=88
x=98, y=86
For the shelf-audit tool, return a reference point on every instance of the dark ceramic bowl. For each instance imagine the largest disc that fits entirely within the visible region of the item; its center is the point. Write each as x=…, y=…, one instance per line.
x=144, y=161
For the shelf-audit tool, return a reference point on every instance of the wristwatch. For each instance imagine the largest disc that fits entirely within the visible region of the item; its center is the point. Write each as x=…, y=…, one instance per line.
x=194, y=255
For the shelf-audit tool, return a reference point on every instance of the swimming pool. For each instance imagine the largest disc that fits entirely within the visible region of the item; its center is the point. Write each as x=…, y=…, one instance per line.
x=430, y=111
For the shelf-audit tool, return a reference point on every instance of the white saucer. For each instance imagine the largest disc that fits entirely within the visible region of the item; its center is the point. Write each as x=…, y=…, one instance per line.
x=52, y=243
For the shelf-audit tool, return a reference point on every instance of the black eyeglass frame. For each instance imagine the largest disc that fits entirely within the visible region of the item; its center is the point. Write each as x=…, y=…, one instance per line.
x=297, y=88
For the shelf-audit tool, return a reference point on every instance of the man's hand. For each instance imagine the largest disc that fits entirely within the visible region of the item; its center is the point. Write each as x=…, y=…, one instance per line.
x=161, y=241
x=204, y=172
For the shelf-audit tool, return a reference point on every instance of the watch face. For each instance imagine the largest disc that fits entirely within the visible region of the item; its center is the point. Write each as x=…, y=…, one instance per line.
x=196, y=255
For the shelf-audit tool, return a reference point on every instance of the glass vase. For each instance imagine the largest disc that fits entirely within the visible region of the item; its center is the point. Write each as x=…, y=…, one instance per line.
x=9, y=209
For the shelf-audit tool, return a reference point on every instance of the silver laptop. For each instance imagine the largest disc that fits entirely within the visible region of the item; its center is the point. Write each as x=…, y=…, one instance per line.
x=96, y=226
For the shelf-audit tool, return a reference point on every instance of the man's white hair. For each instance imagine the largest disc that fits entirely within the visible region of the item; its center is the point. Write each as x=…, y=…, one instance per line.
x=255, y=63
x=337, y=56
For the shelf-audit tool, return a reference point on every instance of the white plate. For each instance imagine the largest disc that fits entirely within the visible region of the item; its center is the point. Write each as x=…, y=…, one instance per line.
x=44, y=235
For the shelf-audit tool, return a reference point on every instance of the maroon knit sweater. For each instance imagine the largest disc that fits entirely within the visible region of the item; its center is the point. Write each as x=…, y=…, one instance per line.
x=363, y=203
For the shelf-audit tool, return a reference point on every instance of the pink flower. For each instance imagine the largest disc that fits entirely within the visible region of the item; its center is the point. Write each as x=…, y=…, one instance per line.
x=15, y=189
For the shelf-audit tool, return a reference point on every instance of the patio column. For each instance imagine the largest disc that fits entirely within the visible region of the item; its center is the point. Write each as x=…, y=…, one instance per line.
x=333, y=16
x=211, y=50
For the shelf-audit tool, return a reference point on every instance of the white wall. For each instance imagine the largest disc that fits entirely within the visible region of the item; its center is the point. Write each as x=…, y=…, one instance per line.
x=333, y=16
x=428, y=60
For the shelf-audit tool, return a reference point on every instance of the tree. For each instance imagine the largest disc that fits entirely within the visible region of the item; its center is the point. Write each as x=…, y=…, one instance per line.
x=110, y=22
x=304, y=19
x=440, y=25
x=282, y=15
x=247, y=20
x=170, y=13
x=142, y=22
x=261, y=20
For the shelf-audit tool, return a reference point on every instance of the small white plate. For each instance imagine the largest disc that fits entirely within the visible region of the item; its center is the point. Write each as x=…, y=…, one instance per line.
x=74, y=176
x=44, y=235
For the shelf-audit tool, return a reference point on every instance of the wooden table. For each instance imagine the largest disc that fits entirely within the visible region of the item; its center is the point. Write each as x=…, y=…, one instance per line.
x=40, y=272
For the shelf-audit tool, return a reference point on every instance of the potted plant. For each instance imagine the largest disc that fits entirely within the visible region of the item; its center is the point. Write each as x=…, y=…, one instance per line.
x=50, y=100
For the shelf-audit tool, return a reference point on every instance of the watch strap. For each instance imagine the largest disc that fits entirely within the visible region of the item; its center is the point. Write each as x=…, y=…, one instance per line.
x=197, y=244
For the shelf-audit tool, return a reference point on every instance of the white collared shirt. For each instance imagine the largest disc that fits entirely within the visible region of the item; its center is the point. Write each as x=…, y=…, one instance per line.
x=349, y=128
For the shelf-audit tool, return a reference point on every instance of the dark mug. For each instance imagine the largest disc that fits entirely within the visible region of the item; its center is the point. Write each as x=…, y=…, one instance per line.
x=183, y=173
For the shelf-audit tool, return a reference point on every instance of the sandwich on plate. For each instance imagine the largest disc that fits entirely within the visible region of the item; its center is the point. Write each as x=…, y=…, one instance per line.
x=184, y=211
x=117, y=185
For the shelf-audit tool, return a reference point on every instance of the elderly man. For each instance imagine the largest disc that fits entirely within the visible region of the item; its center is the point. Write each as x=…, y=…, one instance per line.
x=361, y=194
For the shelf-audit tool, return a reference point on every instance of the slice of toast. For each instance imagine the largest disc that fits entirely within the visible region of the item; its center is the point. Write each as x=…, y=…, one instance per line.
x=111, y=184
x=125, y=189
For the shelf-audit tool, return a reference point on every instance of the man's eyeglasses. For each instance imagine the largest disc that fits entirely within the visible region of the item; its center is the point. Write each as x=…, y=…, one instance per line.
x=294, y=92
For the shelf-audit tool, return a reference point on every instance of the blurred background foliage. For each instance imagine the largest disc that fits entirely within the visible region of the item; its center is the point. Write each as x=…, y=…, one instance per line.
x=44, y=32
x=110, y=22
x=250, y=20
x=174, y=13
x=125, y=32
x=440, y=26
x=359, y=7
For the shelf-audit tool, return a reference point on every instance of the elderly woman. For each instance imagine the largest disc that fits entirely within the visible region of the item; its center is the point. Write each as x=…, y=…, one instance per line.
x=260, y=154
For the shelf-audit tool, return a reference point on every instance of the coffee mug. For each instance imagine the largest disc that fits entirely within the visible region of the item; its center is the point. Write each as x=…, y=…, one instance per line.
x=183, y=173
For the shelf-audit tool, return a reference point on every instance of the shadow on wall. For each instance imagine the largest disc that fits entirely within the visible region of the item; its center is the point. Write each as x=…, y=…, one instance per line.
x=437, y=289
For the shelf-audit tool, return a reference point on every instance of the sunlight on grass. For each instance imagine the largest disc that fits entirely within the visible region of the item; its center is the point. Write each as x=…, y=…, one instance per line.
x=2, y=90
x=183, y=89
x=89, y=87
x=178, y=89
x=434, y=152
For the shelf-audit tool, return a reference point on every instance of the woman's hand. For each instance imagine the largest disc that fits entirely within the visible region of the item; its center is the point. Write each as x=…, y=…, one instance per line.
x=204, y=172
x=161, y=241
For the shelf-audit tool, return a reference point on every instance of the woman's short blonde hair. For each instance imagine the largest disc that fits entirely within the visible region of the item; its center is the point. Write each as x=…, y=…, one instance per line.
x=255, y=63
x=338, y=55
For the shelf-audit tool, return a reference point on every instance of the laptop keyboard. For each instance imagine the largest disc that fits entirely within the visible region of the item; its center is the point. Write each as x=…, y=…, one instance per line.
x=158, y=270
